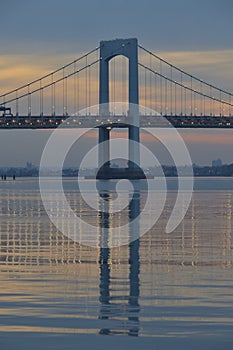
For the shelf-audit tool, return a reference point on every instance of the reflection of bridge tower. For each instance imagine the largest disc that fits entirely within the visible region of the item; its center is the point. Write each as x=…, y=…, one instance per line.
x=124, y=307
x=109, y=50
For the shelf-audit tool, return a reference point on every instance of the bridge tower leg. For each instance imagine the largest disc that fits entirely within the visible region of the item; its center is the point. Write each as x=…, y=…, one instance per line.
x=104, y=151
x=109, y=50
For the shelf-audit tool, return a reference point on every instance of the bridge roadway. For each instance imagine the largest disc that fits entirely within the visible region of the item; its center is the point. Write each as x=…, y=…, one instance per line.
x=119, y=121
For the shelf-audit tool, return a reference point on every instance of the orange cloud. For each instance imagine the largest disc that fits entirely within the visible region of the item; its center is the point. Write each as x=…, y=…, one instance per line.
x=16, y=70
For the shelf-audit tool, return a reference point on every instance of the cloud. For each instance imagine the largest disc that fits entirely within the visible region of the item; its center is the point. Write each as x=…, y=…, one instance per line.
x=211, y=65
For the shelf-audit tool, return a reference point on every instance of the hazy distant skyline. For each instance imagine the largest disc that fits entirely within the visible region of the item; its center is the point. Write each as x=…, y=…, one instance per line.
x=39, y=36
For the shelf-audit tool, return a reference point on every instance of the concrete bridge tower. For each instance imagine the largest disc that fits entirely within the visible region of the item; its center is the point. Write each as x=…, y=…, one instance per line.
x=109, y=50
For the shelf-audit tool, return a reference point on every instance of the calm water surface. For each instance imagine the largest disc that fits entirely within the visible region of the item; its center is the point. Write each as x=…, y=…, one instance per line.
x=164, y=291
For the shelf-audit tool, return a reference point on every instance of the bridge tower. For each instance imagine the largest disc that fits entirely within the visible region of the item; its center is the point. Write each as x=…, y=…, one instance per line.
x=109, y=50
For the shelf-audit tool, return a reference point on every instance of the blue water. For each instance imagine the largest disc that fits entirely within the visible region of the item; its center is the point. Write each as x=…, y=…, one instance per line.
x=164, y=291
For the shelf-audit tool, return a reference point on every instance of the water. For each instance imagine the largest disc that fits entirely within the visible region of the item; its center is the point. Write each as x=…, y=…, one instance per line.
x=164, y=291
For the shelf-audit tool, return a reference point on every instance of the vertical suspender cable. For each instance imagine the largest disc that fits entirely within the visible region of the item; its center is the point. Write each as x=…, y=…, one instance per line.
x=150, y=86
x=156, y=96
x=145, y=84
x=220, y=98
x=89, y=88
x=181, y=93
x=161, y=88
x=51, y=94
x=214, y=106
x=63, y=91
x=185, y=102
x=201, y=100
x=230, y=107
x=78, y=102
x=175, y=97
x=54, y=102
x=29, y=101
x=211, y=102
x=194, y=102
x=166, y=106
x=86, y=85
x=97, y=72
x=171, y=89
x=195, y=105
x=123, y=97
x=17, y=104
x=66, y=107
x=75, y=90
x=64, y=94
x=191, y=103
x=114, y=84
x=41, y=99
x=204, y=106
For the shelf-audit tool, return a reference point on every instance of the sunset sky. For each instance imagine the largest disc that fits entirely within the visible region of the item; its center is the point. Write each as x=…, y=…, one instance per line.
x=40, y=36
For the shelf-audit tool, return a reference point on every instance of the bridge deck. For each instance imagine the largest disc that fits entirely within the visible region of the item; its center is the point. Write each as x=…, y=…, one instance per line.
x=52, y=122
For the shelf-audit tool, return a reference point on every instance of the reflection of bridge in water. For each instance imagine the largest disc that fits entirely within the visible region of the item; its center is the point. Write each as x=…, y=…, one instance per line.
x=27, y=236
x=31, y=241
x=129, y=304
x=125, y=283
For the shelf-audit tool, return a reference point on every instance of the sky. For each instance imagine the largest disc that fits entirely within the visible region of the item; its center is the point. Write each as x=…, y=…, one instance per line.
x=39, y=36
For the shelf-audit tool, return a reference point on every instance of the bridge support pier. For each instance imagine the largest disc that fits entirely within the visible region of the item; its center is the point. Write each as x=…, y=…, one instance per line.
x=105, y=172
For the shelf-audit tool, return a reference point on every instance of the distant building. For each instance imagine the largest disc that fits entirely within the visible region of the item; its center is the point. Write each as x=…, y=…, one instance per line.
x=216, y=163
x=29, y=165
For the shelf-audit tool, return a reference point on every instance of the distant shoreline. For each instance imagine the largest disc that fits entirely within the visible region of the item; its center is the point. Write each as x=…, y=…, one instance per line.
x=168, y=171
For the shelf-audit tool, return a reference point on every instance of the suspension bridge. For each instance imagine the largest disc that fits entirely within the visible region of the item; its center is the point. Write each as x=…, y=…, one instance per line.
x=185, y=100
x=85, y=94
